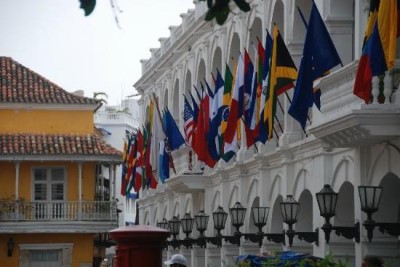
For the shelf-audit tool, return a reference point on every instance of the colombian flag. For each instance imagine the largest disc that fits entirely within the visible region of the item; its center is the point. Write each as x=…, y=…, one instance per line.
x=379, y=51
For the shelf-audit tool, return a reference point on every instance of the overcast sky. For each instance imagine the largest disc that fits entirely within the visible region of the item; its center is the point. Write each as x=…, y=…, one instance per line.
x=55, y=39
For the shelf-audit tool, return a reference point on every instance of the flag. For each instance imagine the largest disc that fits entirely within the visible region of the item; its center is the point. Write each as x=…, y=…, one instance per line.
x=149, y=179
x=188, y=122
x=362, y=84
x=250, y=94
x=263, y=70
x=131, y=166
x=214, y=137
x=226, y=100
x=163, y=162
x=139, y=162
x=125, y=152
x=319, y=56
x=200, y=141
x=236, y=106
x=283, y=73
x=174, y=136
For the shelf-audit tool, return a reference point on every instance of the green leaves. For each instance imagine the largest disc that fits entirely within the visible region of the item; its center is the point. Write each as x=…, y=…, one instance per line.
x=219, y=9
x=88, y=6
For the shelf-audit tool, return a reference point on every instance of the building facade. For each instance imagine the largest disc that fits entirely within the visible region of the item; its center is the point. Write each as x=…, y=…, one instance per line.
x=116, y=123
x=346, y=144
x=51, y=157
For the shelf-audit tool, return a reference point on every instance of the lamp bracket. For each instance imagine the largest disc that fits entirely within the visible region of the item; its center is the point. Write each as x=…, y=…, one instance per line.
x=201, y=241
x=255, y=238
x=276, y=238
x=234, y=240
x=187, y=242
x=216, y=241
x=175, y=243
x=310, y=237
x=348, y=232
x=392, y=229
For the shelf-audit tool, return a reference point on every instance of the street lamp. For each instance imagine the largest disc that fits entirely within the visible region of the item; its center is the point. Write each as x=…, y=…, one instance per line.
x=238, y=212
x=174, y=226
x=290, y=209
x=327, y=200
x=163, y=224
x=219, y=218
x=370, y=196
x=201, y=221
x=187, y=227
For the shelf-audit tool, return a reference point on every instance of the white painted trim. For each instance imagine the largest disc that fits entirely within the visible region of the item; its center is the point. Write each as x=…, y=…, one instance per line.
x=43, y=246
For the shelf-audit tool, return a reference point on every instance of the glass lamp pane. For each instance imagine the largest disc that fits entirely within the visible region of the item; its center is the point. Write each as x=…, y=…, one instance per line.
x=219, y=217
x=259, y=215
x=290, y=209
x=187, y=223
x=327, y=199
x=238, y=213
x=370, y=197
x=201, y=220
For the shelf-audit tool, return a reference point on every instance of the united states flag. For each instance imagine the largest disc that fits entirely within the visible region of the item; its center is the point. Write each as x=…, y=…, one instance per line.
x=188, y=125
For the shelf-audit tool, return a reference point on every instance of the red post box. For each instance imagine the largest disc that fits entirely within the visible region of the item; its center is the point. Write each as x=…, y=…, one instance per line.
x=139, y=245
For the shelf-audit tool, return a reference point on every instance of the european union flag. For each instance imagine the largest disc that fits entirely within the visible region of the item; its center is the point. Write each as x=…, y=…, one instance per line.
x=319, y=56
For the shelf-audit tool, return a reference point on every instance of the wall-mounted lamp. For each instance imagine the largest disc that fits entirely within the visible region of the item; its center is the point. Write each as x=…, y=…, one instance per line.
x=174, y=226
x=290, y=210
x=163, y=224
x=10, y=246
x=370, y=197
x=327, y=200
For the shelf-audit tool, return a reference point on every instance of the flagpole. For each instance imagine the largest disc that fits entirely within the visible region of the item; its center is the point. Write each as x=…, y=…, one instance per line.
x=162, y=127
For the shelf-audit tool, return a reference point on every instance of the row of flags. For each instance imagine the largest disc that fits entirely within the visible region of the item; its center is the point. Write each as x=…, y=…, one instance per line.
x=212, y=119
x=213, y=113
x=137, y=169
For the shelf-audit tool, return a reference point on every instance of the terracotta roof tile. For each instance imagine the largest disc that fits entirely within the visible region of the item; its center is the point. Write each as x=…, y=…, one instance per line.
x=19, y=84
x=55, y=144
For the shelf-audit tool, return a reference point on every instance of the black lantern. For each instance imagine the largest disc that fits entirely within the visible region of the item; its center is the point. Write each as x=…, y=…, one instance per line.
x=163, y=224
x=370, y=196
x=201, y=220
x=174, y=226
x=187, y=224
x=327, y=200
x=260, y=217
x=290, y=210
x=238, y=213
x=219, y=218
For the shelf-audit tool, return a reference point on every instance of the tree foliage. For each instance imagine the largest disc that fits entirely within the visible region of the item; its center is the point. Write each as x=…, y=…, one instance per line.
x=218, y=9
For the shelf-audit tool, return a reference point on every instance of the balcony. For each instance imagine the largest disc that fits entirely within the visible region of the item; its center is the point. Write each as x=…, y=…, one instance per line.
x=57, y=216
x=346, y=121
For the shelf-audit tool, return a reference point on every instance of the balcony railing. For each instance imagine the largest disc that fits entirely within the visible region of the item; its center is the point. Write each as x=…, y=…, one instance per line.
x=58, y=211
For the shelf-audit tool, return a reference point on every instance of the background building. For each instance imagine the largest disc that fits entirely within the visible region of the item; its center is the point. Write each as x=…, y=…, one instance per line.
x=346, y=144
x=116, y=123
x=50, y=158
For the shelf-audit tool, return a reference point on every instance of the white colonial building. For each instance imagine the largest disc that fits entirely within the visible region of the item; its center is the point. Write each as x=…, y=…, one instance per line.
x=346, y=144
x=116, y=123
